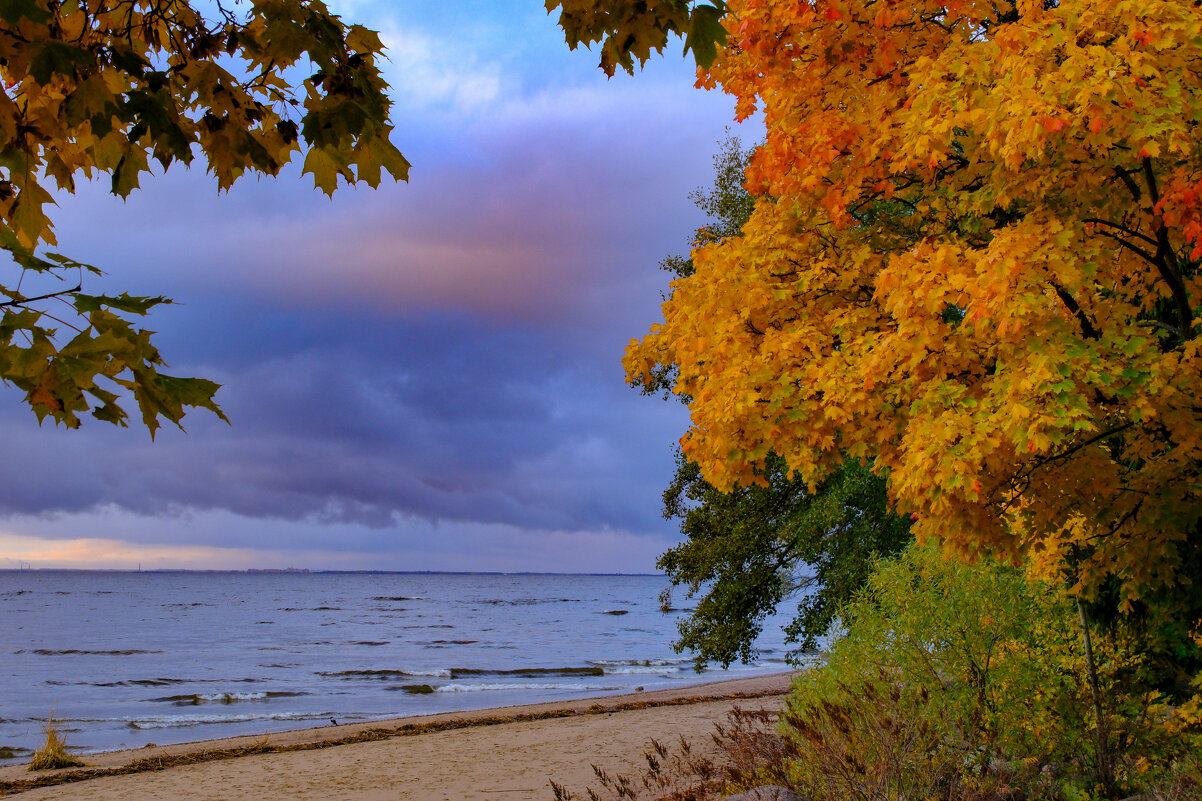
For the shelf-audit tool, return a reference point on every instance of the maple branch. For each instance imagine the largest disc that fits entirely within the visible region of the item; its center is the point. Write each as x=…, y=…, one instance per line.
x=1132, y=186
x=1132, y=512
x=1122, y=228
x=61, y=321
x=23, y=301
x=1087, y=329
x=1079, y=446
x=1143, y=254
x=1163, y=326
x=1166, y=259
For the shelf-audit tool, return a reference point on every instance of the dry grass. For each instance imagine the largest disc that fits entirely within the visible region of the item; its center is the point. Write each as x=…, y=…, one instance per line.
x=53, y=755
x=750, y=753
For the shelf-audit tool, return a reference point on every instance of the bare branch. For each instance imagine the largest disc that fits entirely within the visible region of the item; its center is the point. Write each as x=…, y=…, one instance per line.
x=23, y=301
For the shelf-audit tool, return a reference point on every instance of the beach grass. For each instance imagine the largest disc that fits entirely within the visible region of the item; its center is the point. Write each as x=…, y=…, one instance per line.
x=53, y=754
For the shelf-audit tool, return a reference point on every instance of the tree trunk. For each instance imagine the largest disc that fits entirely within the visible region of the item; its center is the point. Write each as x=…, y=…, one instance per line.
x=1105, y=769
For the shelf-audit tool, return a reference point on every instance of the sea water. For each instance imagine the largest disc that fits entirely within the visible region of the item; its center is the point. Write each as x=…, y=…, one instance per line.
x=123, y=659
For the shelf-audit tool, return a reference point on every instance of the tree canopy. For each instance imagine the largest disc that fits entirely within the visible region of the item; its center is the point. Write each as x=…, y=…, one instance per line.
x=754, y=547
x=1011, y=336
x=101, y=88
x=750, y=548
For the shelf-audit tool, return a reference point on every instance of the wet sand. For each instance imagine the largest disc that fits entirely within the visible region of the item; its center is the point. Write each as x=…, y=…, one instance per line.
x=509, y=753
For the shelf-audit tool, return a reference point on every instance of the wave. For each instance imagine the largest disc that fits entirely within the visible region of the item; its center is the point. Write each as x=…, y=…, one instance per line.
x=457, y=673
x=434, y=673
x=473, y=688
x=195, y=699
x=79, y=652
x=616, y=612
x=608, y=663
x=527, y=601
x=179, y=721
x=14, y=752
x=398, y=598
x=159, y=682
x=463, y=673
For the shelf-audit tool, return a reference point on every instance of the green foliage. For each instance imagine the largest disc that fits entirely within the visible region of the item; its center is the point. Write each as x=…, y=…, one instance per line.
x=629, y=30
x=979, y=670
x=104, y=88
x=755, y=546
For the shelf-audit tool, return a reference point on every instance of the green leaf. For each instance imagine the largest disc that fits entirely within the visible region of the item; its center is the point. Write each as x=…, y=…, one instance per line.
x=92, y=100
x=134, y=304
x=13, y=11
x=125, y=176
x=324, y=169
x=58, y=58
x=705, y=34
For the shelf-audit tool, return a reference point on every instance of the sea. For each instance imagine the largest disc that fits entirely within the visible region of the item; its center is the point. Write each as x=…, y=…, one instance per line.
x=126, y=659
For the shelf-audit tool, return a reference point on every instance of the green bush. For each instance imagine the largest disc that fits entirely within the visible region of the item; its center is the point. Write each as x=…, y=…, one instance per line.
x=970, y=681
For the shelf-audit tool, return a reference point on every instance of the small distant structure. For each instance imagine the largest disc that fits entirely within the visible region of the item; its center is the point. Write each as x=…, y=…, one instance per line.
x=277, y=570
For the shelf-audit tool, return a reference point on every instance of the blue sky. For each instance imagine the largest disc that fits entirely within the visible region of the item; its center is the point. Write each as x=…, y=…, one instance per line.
x=424, y=376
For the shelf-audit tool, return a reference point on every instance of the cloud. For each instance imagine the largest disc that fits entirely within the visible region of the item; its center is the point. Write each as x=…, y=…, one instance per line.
x=441, y=356
x=447, y=420
x=123, y=541
x=424, y=72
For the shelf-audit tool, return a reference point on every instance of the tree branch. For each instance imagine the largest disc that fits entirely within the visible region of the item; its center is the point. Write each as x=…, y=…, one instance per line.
x=1087, y=329
x=1143, y=254
x=1166, y=260
x=1079, y=446
x=1130, y=183
x=1122, y=228
x=48, y=295
x=1163, y=326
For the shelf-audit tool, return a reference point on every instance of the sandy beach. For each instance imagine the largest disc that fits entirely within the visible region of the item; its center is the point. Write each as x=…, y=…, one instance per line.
x=509, y=753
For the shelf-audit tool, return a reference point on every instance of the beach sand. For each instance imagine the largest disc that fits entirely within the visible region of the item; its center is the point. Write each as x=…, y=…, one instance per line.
x=509, y=753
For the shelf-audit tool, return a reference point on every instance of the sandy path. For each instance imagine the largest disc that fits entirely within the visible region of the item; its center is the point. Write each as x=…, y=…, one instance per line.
x=509, y=760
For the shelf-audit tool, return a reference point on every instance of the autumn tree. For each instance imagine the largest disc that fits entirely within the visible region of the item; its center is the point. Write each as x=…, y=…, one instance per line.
x=1016, y=347
x=105, y=87
x=749, y=549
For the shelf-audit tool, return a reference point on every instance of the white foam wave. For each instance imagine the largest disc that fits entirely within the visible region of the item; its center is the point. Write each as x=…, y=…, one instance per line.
x=228, y=698
x=608, y=663
x=177, y=721
x=473, y=688
x=632, y=671
x=435, y=673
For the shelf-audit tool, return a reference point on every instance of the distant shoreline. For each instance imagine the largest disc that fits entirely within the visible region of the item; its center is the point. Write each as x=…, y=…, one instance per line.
x=256, y=571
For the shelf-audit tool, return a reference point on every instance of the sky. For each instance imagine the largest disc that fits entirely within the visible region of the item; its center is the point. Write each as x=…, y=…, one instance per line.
x=425, y=376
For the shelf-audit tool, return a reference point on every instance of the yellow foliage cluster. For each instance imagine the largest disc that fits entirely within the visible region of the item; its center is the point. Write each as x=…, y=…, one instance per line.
x=973, y=263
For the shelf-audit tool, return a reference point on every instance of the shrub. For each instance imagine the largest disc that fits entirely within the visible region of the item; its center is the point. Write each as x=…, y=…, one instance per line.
x=749, y=752
x=952, y=680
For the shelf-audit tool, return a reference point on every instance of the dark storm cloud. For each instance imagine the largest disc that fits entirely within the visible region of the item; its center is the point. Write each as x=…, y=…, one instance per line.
x=439, y=420
x=445, y=351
